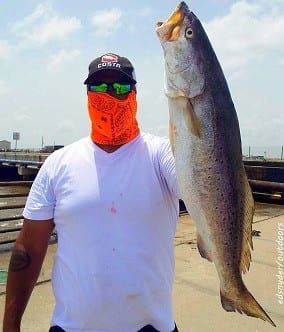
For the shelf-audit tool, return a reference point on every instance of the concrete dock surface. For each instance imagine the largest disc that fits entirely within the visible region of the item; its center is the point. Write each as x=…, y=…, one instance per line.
x=196, y=297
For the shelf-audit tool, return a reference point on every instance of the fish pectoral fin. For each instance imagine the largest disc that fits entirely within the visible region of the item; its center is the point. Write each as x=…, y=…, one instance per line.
x=202, y=248
x=244, y=303
x=191, y=120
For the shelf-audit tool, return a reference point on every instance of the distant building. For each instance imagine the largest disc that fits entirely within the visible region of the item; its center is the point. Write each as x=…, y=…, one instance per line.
x=5, y=145
x=51, y=148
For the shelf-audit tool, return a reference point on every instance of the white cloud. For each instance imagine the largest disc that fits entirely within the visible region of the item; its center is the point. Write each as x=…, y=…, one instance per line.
x=4, y=88
x=40, y=12
x=248, y=33
x=106, y=22
x=5, y=49
x=61, y=58
x=44, y=25
x=54, y=29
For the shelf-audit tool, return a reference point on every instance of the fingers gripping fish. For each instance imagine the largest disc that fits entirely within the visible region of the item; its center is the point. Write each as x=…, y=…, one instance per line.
x=206, y=143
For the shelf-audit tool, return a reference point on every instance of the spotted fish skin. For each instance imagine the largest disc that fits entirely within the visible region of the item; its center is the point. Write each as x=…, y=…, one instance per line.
x=206, y=143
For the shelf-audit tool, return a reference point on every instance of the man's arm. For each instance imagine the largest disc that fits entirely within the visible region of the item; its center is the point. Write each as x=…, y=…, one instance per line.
x=25, y=264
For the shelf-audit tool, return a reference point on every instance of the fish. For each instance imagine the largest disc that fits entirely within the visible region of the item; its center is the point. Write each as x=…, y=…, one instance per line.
x=205, y=139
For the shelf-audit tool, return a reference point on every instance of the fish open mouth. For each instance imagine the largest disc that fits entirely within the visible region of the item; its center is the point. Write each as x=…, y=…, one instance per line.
x=170, y=29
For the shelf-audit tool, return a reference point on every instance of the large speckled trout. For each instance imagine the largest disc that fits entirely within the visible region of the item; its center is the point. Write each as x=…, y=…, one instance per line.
x=206, y=143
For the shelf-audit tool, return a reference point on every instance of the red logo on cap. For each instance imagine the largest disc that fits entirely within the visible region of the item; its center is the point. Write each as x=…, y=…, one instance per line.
x=109, y=58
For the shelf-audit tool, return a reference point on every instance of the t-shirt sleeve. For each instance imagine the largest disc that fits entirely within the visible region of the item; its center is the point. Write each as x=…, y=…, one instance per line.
x=41, y=200
x=167, y=167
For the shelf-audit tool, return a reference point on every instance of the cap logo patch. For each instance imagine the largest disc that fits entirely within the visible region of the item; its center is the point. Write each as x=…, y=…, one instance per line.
x=109, y=58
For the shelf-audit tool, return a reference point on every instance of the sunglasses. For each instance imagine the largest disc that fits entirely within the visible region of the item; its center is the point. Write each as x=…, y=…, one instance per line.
x=117, y=87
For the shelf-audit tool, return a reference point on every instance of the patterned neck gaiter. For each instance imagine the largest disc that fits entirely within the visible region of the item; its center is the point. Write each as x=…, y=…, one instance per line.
x=113, y=120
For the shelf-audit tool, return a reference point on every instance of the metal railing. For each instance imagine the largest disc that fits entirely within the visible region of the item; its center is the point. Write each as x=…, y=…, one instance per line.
x=10, y=225
x=266, y=181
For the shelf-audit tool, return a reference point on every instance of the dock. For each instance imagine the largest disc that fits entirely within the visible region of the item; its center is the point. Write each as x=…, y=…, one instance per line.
x=196, y=298
x=266, y=178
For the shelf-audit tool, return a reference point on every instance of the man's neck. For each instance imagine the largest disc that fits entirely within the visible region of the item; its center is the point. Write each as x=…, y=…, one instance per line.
x=108, y=147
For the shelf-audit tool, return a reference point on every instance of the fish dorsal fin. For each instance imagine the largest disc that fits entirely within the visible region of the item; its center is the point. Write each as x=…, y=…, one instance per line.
x=247, y=244
x=191, y=120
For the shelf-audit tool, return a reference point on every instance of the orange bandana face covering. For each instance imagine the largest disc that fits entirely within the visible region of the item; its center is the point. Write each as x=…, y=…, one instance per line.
x=113, y=120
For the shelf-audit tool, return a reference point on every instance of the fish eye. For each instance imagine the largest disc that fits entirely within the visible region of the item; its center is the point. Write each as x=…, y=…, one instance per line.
x=188, y=33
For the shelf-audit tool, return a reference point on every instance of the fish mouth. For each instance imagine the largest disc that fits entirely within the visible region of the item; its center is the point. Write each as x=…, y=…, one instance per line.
x=170, y=29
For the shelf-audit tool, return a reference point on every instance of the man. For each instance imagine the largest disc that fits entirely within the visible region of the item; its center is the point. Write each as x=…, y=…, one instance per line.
x=113, y=200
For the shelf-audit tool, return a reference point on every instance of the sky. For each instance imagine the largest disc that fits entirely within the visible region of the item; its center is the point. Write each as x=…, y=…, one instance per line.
x=46, y=47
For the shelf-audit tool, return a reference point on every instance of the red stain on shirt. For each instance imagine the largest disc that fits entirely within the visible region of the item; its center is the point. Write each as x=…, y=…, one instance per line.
x=113, y=209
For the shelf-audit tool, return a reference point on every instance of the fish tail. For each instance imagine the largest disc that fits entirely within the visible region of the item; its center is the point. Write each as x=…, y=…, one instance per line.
x=245, y=303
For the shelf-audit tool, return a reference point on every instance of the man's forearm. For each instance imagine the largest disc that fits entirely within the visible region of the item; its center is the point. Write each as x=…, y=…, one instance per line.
x=24, y=269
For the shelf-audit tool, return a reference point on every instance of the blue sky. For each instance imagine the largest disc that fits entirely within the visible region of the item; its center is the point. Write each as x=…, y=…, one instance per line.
x=46, y=46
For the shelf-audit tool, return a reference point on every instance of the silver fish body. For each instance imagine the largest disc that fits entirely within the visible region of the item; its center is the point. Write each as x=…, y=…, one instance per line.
x=206, y=142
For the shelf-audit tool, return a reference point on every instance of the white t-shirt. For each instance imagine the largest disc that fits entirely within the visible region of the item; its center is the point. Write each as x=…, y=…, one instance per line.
x=115, y=215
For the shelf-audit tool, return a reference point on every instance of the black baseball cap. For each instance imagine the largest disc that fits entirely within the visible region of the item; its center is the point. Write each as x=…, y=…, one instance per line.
x=112, y=61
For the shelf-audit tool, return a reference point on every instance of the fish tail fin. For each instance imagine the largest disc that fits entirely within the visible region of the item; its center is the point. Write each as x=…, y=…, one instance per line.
x=246, y=304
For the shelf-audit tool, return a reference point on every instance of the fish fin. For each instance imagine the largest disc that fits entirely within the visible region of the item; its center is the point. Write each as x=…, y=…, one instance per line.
x=246, y=304
x=191, y=120
x=247, y=244
x=202, y=248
